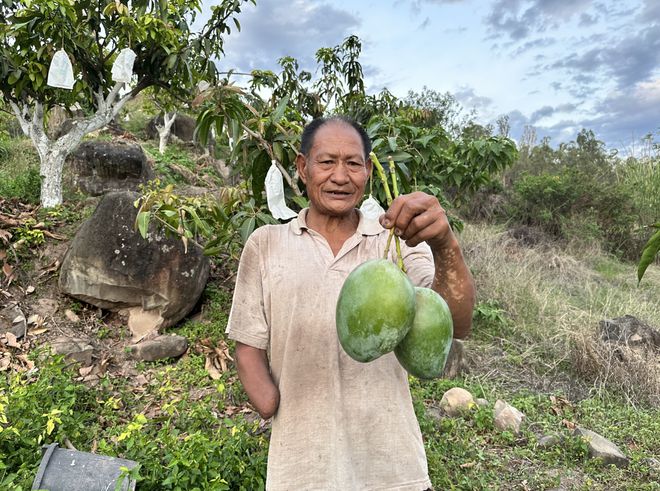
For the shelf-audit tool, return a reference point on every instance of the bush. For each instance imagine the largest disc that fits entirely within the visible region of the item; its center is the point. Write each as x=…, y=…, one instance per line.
x=19, y=174
x=575, y=205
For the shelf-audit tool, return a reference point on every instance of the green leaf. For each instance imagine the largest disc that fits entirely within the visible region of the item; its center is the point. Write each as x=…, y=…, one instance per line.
x=391, y=140
x=649, y=252
x=278, y=113
x=143, y=223
x=246, y=228
x=260, y=168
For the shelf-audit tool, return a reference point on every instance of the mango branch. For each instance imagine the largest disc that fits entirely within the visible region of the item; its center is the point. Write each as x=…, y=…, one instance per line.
x=382, y=176
x=395, y=188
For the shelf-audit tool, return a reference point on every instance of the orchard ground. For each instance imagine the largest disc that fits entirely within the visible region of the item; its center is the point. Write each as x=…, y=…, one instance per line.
x=191, y=427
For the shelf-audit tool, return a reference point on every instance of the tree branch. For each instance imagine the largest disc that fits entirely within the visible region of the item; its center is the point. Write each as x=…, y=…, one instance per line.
x=271, y=154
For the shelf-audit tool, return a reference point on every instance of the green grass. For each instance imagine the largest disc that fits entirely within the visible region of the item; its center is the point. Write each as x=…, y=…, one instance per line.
x=19, y=172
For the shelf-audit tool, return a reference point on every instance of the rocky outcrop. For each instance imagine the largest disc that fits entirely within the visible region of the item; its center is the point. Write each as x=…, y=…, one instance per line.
x=111, y=266
x=98, y=167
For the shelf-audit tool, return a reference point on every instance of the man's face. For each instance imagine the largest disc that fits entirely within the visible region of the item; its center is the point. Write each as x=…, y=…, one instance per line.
x=335, y=171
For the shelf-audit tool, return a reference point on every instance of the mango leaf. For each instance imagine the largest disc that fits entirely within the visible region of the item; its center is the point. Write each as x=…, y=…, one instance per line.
x=259, y=170
x=649, y=252
x=246, y=228
x=278, y=113
x=142, y=222
x=392, y=143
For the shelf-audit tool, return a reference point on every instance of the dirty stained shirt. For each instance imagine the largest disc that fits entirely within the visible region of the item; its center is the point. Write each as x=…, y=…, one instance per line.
x=341, y=424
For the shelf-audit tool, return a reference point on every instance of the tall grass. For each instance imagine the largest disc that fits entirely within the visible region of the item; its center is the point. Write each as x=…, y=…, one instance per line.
x=554, y=300
x=642, y=177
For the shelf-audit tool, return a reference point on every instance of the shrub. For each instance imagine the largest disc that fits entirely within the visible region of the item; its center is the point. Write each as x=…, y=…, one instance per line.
x=19, y=174
x=575, y=205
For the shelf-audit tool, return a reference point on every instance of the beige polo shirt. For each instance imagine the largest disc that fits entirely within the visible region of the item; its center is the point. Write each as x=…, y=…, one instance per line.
x=341, y=424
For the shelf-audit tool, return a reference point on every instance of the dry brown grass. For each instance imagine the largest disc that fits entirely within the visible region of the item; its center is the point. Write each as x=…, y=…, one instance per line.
x=555, y=299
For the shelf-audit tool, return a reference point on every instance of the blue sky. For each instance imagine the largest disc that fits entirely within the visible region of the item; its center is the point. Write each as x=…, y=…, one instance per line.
x=556, y=65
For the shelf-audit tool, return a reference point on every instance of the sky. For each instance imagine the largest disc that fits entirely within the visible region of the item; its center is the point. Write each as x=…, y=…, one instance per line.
x=555, y=65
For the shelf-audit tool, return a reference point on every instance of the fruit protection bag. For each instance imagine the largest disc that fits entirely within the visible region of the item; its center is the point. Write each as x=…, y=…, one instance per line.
x=275, y=194
x=122, y=68
x=371, y=208
x=60, y=72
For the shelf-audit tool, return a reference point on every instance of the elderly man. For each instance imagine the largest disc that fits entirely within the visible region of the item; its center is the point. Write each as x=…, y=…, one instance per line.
x=337, y=424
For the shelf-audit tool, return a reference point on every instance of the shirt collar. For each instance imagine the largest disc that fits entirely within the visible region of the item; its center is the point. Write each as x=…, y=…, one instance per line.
x=365, y=226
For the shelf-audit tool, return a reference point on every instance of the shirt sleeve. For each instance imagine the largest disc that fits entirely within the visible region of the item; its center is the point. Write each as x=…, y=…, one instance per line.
x=419, y=264
x=247, y=320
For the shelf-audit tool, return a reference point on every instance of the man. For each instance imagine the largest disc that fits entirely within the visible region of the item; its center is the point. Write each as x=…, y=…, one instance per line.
x=338, y=424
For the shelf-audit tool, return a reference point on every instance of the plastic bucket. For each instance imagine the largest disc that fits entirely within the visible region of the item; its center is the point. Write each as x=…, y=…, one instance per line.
x=69, y=470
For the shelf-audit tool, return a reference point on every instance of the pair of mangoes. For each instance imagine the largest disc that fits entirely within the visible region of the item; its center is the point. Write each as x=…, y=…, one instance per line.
x=379, y=311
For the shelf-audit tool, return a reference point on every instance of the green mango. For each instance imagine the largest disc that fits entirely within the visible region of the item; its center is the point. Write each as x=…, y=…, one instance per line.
x=424, y=350
x=375, y=310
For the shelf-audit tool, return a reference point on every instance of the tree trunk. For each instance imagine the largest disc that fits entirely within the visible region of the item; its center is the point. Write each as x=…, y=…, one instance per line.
x=164, y=131
x=53, y=153
x=51, y=177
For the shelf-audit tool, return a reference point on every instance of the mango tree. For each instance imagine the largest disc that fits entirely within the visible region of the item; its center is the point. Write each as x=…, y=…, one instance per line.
x=169, y=55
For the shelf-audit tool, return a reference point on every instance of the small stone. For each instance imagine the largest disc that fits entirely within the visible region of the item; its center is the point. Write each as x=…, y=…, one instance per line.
x=456, y=401
x=159, y=348
x=481, y=402
x=30, y=289
x=547, y=441
x=602, y=448
x=506, y=417
x=75, y=349
x=72, y=316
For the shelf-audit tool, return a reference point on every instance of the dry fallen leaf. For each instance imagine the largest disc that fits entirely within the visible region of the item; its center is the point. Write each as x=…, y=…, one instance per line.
x=9, y=272
x=214, y=373
x=11, y=340
x=84, y=371
x=29, y=364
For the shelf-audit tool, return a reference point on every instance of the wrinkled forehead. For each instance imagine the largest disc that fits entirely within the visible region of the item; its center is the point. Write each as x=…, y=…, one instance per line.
x=337, y=136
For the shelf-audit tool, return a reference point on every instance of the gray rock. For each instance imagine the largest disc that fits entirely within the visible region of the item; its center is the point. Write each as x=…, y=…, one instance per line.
x=99, y=166
x=74, y=349
x=159, y=348
x=183, y=127
x=456, y=401
x=111, y=266
x=13, y=320
x=548, y=441
x=630, y=331
x=506, y=417
x=602, y=448
x=482, y=402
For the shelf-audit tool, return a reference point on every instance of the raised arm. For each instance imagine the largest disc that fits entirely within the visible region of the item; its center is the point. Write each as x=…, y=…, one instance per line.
x=418, y=217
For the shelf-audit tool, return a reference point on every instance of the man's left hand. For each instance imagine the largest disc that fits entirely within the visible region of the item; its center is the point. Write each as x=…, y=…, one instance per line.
x=418, y=217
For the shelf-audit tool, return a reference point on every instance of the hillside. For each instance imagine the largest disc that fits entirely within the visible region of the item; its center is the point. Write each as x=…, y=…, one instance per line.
x=535, y=344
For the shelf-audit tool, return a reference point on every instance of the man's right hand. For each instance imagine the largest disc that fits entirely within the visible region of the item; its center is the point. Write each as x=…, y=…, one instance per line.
x=253, y=371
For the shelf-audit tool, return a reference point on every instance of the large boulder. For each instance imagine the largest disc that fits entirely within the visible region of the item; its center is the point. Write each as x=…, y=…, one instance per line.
x=99, y=167
x=111, y=266
x=183, y=127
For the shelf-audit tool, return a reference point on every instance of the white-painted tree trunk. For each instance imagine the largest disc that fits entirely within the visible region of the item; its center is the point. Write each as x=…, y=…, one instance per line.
x=165, y=131
x=53, y=153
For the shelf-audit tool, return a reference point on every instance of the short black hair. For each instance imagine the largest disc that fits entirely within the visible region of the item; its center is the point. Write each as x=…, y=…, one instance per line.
x=308, y=134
